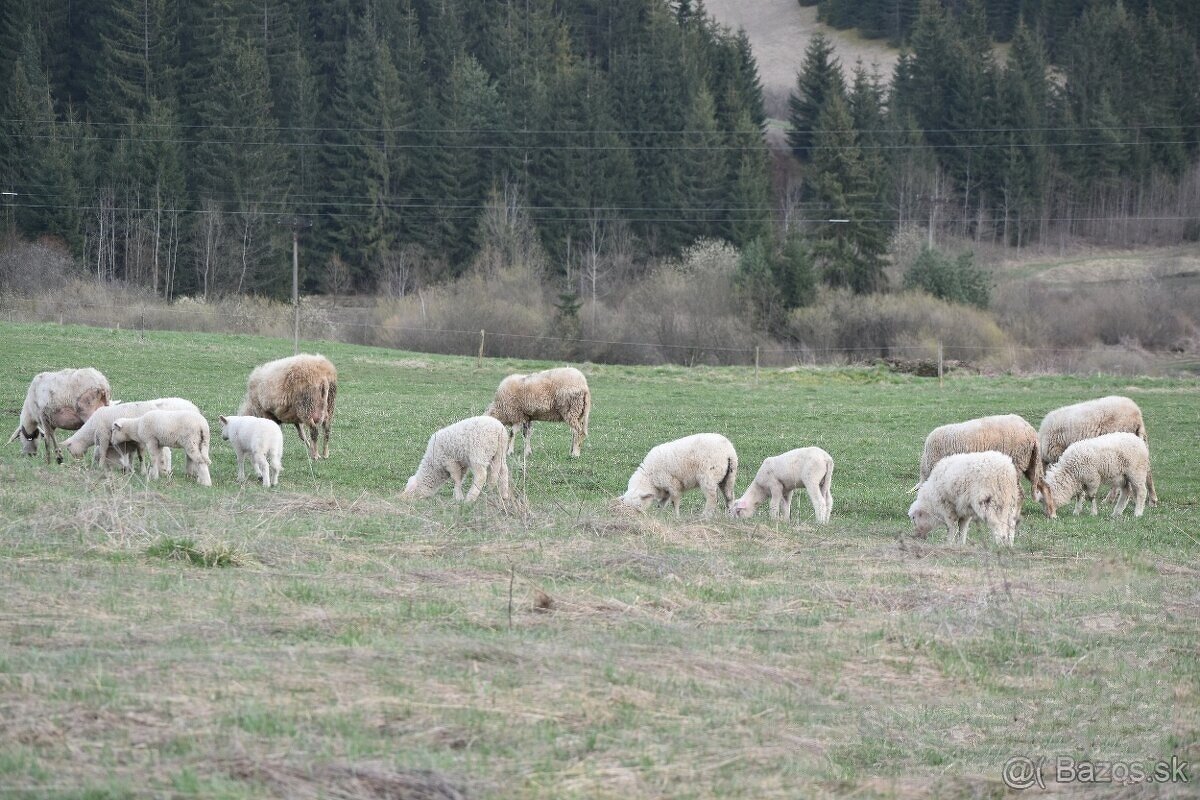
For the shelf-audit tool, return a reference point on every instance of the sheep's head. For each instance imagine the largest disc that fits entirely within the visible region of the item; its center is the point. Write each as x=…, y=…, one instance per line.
x=639, y=499
x=77, y=446
x=120, y=431
x=740, y=509
x=923, y=521
x=28, y=440
x=1043, y=494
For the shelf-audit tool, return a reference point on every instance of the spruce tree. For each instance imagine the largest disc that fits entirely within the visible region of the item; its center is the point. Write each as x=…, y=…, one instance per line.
x=820, y=78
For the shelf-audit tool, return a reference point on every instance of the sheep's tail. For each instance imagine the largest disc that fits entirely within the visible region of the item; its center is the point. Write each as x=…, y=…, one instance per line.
x=587, y=409
x=730, y=478
x=204, y=445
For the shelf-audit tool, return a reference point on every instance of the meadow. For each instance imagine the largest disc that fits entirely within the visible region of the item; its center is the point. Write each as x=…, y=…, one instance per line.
x=329, y=639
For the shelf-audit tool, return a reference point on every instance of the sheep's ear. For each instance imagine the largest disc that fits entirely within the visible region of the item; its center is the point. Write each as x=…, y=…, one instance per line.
x=117, y=426
x=16, y=433
x=224, y=421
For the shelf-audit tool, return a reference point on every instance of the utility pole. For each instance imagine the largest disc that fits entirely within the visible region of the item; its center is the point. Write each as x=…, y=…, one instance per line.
x=296, y=223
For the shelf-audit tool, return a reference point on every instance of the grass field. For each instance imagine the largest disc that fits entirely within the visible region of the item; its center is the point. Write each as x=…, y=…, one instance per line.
x=328, y=639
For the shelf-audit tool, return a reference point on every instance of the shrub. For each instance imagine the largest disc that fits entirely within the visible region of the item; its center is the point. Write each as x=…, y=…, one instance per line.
x=957, y=280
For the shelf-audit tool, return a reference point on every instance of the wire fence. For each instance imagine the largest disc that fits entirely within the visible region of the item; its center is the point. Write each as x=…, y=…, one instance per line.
x=311, y=324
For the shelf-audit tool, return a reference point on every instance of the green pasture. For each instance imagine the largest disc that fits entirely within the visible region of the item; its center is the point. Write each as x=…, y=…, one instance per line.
x=329, y=639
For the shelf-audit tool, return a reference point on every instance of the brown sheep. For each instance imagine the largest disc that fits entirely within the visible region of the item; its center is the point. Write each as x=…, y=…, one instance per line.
x=63, y=399
x=299, y=390
x=554, y=395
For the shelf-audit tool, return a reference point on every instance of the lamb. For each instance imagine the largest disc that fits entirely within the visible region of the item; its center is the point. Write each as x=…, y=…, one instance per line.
x=1122, y=459
x=779, y=476
x=476, y=443
x=63, y=399
x=1064, y=426
x=259, y=439
x=299, y=390
x=97, y=430
x=156, y=430
x=706, y=460
x=1004, y=433
x=966, y=486
x=555, y=395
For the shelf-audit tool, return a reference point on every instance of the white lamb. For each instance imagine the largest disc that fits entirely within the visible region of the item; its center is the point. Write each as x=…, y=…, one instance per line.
x=779, y=476
x=706, y=460
x=258, y=439
x=1005, y=433
x=967, y=486
x=1121, y=459
x=1064, y=426
x=63, y=399
x=155, y=430
x=477, y=444
x=97, y=430
x=554, y=395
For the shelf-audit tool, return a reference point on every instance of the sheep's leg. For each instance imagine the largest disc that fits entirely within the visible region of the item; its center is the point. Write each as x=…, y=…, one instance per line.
x=1139, y=497
x=241, y=459
x=527, y=432
x=479, y=473
x=327, y=429
x=963, y=525
x=308, y=442
x=1123, y=492
x=776, y=500
x=787, y=505
x=152, y=468
x=512, y=438
x=262, y=468
x=577, y=435
x=817, y=497
x=314, y=433
x=456, y=475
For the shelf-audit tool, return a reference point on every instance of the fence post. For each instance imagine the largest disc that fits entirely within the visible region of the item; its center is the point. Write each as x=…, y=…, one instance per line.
x=755, y=365
x=940, y=384
x=479, y=361
x=142, y=326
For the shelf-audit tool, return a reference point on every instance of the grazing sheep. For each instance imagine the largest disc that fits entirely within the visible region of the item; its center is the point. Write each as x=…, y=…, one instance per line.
x=477, y=444
x=63, y=399
x=966, y=486
x=555, y=395
x=259, y=439
x=156, y=430
x=1004, y=433
x=707, y=460
x=97, y=430
x=1122, y=459
x=299, y=390
x=1064, y=426
x=779, y=476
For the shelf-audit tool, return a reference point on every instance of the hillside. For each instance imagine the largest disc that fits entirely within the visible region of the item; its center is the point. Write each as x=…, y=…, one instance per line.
x=779, y=30
x=330, y=639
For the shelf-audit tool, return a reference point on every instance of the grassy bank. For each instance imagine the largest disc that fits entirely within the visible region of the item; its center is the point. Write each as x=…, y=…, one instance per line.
x=329, y=639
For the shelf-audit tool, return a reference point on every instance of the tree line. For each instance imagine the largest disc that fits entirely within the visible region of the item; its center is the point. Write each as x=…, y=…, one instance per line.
x=173, y=143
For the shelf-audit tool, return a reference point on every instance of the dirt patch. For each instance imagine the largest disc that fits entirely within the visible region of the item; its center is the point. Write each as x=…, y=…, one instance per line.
x=366, y=780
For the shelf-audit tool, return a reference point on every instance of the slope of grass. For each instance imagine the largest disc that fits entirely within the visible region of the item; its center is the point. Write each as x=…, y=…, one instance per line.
x=356, y=645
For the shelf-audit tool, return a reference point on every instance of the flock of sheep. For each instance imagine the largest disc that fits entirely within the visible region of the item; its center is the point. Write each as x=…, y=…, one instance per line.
x=969, y=470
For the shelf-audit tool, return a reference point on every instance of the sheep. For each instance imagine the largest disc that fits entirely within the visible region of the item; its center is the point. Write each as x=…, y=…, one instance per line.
x=477, y=444
x=966, y=486
x=259, y=439
x=1122, y=459
x=1005, y=433
x=63, y=399
x=779, y=476
x=299, y=390
x=1064, y=426
x=97, y=430
x=706, y=460
x=555, y=395
x=156, y=430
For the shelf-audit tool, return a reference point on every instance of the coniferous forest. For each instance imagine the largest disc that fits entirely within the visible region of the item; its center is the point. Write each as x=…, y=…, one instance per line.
x=174, y=144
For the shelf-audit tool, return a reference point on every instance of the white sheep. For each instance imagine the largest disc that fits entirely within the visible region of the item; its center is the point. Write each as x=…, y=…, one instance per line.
x=1122, y=459
x=779, y=476
x=967, y=486
x=1064, y=426
x=554, y=395
x=298, y=390
x=705, y=460
x=1005, y=433
x=97, y=430
x=63, y=399
x=477, y=444
x=258, y=439
x=155, y=430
